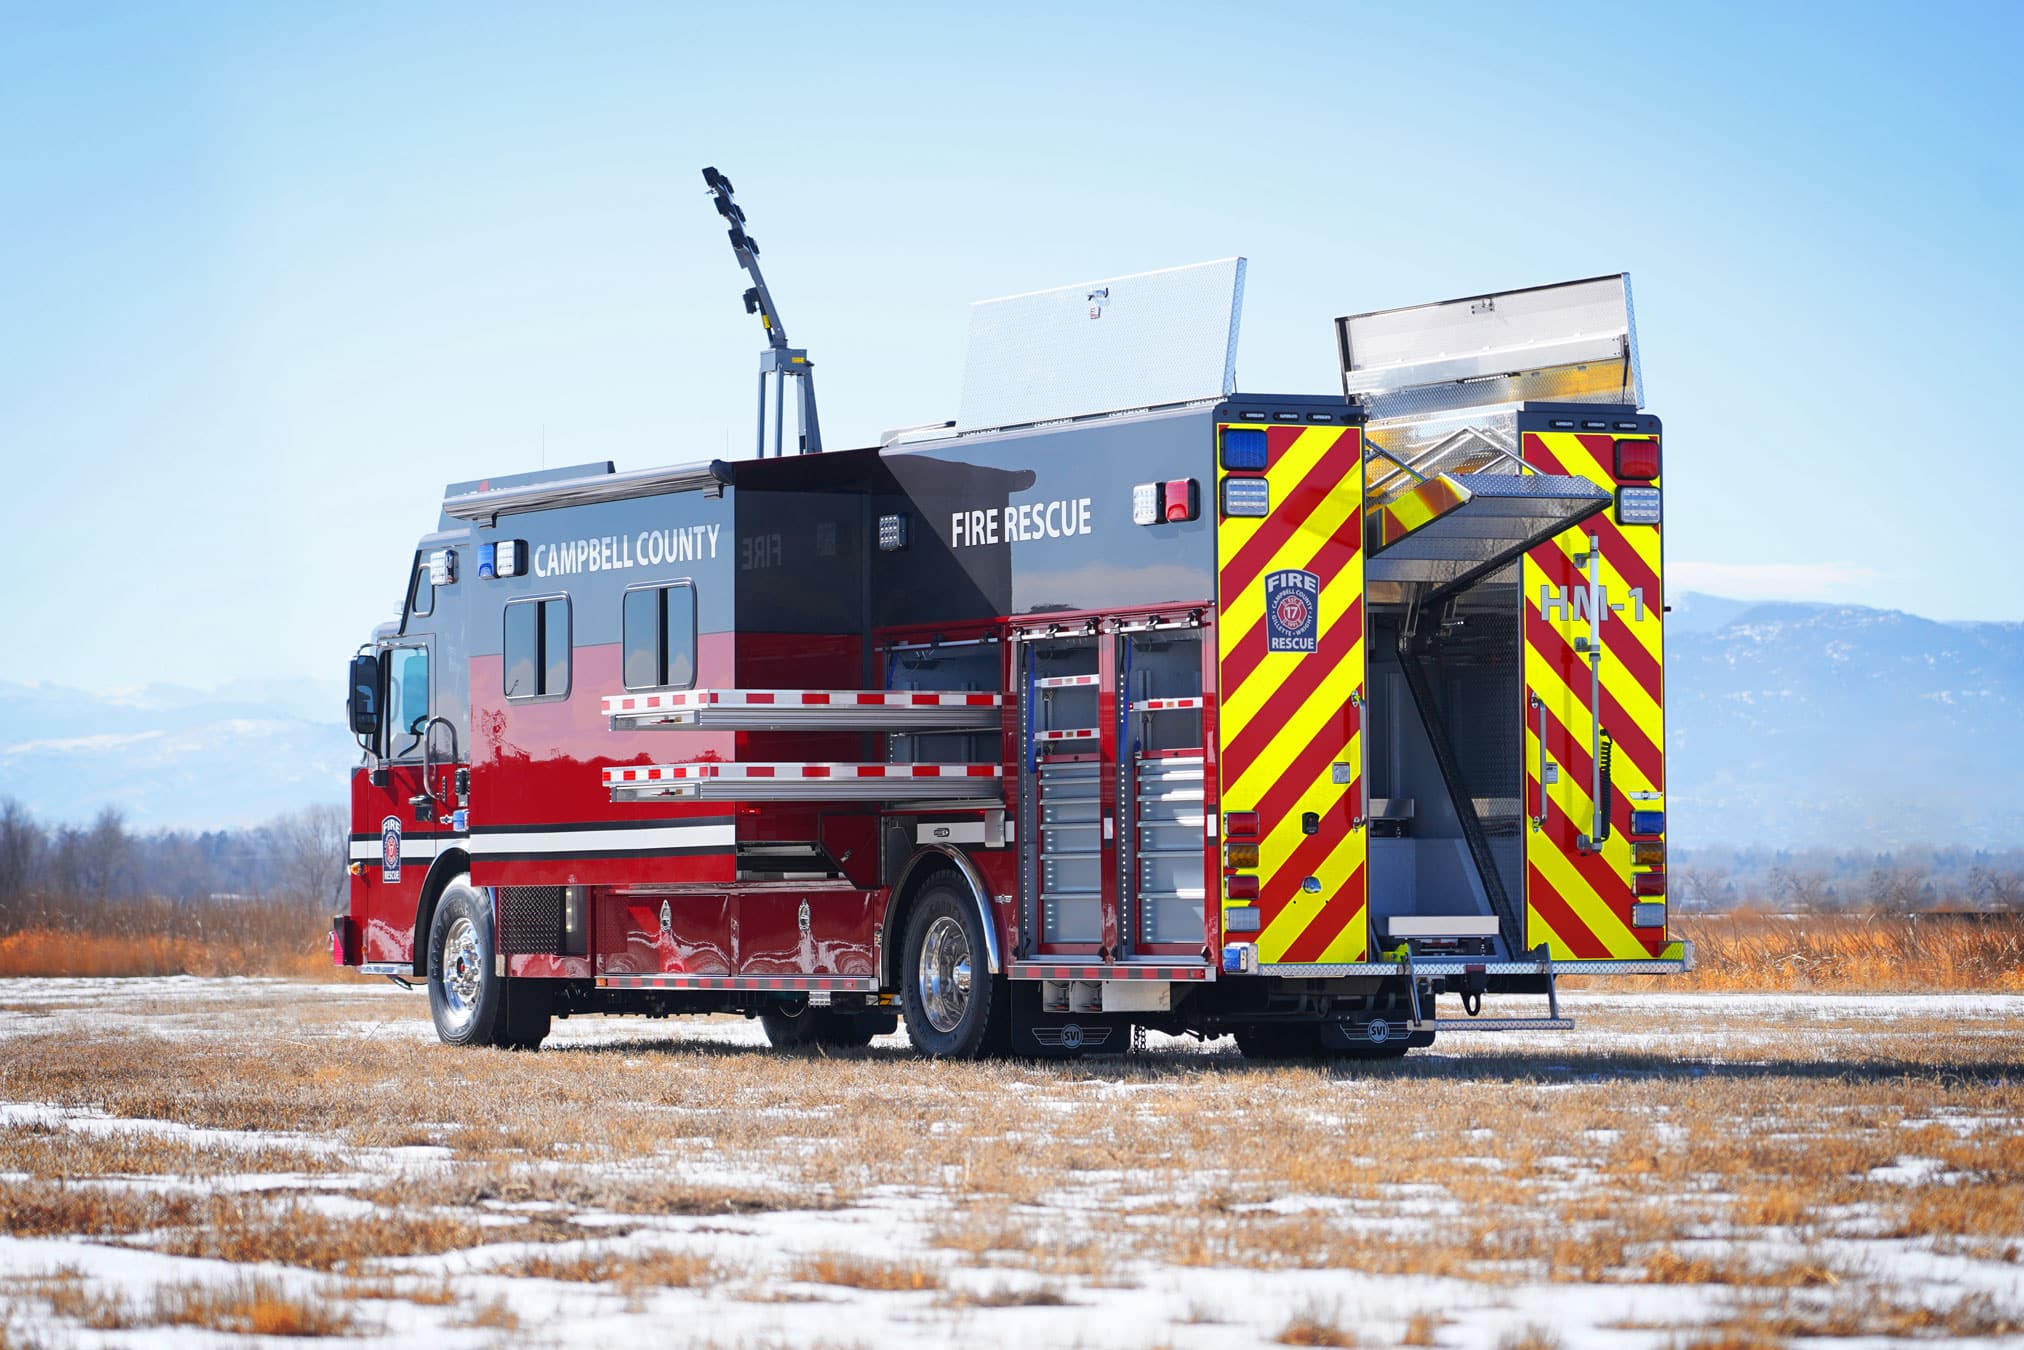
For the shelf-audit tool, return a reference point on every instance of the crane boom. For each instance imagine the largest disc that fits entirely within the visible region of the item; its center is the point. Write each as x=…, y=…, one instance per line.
x=780, y=361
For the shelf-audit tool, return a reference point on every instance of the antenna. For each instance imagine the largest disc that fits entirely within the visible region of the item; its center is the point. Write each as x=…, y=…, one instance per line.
x=779, y=361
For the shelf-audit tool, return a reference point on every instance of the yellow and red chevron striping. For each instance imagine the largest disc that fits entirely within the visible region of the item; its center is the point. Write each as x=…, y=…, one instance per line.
x=1290, y=722
x=1420, y=505
x=1579, y=901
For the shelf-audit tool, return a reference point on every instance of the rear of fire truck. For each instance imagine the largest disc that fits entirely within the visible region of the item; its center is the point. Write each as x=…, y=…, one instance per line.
x=1441, y=641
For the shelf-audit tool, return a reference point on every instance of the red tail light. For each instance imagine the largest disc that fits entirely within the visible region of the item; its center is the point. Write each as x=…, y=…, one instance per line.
x=1240, y=824
x=1649, y=883
x=1182, y=499
x=1638, y=460
x=1241, y=887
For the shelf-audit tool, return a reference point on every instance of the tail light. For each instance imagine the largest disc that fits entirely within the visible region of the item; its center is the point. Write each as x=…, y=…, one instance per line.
x=1241, y=887
x=1637, y=460
x=1240, y=824
x=1182, y=499
x=1648, y=883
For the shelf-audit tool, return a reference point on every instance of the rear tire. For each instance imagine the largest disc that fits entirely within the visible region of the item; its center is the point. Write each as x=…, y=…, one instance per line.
x=467, y=998
x=955, y=1008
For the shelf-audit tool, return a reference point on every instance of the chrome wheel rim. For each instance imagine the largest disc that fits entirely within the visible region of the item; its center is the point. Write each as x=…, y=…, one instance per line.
x=945, y=974
x=462, y=971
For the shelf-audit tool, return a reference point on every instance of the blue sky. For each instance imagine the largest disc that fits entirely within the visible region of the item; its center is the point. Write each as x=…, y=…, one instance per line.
x=270, y=275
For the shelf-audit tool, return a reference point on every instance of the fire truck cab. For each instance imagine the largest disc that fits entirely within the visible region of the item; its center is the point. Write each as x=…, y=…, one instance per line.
x=1192, y=710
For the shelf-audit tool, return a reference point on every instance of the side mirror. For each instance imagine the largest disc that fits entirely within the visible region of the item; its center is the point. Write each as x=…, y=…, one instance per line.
x=364, y=701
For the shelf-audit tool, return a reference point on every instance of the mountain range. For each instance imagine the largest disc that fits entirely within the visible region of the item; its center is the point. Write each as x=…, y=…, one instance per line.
x=1789, y=725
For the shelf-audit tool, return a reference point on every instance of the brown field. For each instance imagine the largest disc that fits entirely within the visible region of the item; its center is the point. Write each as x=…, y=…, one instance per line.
x=1684, y=1169
x=263, y=936
x=1743, y=951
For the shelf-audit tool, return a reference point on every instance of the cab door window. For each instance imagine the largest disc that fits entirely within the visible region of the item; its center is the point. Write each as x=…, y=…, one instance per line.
x=407, y=700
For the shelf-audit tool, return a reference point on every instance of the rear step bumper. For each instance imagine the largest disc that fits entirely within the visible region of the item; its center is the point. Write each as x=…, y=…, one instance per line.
x=1464, y=965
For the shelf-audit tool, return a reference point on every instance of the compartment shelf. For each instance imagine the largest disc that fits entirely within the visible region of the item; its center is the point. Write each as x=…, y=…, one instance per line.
x=781, y=782
x=806, y=710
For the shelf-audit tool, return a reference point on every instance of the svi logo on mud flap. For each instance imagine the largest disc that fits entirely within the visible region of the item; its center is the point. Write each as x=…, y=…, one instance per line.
x=1292, y=611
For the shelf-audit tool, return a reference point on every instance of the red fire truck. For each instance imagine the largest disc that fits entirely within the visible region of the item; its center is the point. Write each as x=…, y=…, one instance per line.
x=1282, y=717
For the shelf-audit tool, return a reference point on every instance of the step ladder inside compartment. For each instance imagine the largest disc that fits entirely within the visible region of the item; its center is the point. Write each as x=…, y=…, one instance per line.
x=1061, y=788
x=1164, y=787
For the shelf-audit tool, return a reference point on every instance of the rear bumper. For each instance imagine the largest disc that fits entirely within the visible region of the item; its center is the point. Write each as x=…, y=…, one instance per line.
x=1676, y=964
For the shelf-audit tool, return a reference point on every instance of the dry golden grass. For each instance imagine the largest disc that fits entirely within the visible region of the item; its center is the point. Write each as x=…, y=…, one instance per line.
x=1867, y=953
x=494, y=1314
x=1579, y=1161
x=1786, y=1316
x=659, y=1268
x=157, y=937
x=1315, y=1325
x=1006, y=1296
x=1423, y=1328
x=287, y=1232
x=251, y=1306
x=57, y=1152
x=863, y=1272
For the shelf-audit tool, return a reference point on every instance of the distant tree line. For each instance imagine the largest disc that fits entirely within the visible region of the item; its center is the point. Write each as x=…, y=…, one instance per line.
x=53, y=874
x=1820, y=880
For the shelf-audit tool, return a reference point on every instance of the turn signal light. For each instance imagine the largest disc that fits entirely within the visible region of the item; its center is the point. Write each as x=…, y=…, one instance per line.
x=1648, y=852
x=1241, y=887
x=1240, y=855
x=1648, y=883
x=1637, y=460
x=1240, y=824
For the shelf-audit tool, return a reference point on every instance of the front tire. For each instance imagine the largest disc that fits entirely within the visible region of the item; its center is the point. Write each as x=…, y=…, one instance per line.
x=467, y=998
x=955, y=1008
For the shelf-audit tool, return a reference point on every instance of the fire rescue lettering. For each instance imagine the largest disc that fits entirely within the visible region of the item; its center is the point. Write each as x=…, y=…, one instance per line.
x=1016, y=524
x=609, y=553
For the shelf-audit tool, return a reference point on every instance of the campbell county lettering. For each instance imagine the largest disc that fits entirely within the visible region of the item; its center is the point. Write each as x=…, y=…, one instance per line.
x=616, y=552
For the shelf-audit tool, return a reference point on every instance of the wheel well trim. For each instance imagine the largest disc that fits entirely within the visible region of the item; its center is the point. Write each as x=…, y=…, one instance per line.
x=930, y=859
x=449, y=864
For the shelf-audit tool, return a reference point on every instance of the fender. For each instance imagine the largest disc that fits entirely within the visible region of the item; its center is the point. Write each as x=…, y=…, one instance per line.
x=449, y=863
x=971, y=877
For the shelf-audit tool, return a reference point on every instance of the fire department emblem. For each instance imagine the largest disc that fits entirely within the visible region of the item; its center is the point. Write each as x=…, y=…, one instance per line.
x=1292, y=611
x=390, y=849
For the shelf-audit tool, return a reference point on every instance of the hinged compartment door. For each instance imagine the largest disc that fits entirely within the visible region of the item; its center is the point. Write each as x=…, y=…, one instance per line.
x=1290, y=676
x=1594, y=704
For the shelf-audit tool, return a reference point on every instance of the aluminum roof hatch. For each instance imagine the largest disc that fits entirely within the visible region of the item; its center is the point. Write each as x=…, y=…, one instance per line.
x=1150, y=340
x=1575, y=342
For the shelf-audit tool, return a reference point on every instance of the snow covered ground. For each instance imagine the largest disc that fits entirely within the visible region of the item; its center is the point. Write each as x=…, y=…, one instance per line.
x=1681, y=1169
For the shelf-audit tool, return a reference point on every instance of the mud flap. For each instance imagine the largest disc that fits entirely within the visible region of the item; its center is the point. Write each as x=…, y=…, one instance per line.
x=1038, y=1034
x=1378, y=1031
